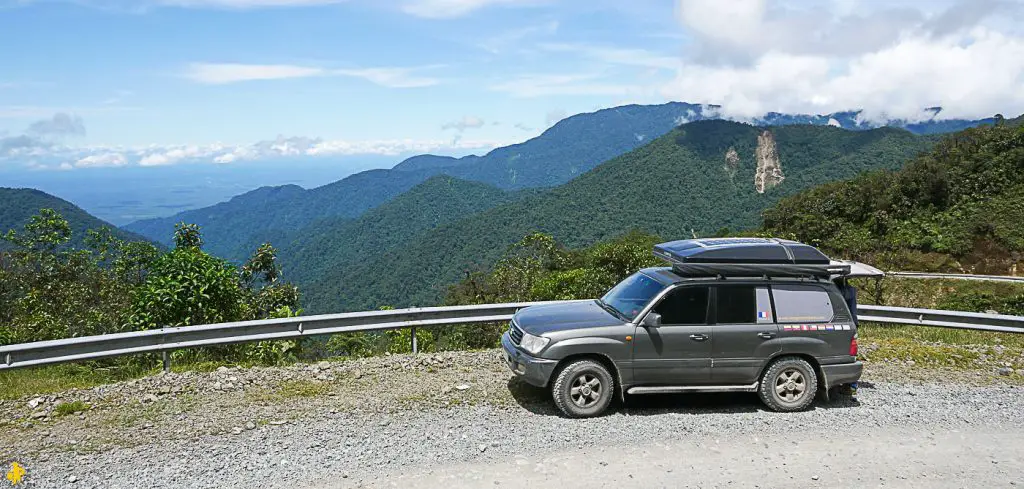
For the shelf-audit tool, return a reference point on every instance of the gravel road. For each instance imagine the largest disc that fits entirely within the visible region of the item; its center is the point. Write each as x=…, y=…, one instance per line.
x=819, y=457
x=904, y=432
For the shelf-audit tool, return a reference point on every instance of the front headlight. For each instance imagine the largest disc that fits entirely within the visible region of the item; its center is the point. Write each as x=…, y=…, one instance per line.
x=533, y=344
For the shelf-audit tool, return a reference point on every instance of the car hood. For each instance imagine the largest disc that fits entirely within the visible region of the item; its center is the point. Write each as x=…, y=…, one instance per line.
x=538, y=320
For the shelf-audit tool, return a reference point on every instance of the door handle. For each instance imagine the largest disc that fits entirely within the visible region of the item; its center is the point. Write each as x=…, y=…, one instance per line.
x=766, y=335
x=698, y=337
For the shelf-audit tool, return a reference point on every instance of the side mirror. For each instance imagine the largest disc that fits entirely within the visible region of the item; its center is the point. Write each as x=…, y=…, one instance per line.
x=652, y=320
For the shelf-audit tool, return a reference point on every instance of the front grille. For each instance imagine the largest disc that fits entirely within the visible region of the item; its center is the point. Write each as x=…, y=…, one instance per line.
x=515, y=334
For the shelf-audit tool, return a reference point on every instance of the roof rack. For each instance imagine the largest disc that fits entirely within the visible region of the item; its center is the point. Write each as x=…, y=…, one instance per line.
x=748, y=257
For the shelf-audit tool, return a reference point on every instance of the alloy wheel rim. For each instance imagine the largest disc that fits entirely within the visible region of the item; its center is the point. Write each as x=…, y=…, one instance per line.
x=790, y=386
x=585, y=390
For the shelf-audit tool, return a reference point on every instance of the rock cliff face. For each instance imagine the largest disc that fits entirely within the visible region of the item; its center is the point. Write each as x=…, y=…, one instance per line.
x=732, y=162
x=769, y=170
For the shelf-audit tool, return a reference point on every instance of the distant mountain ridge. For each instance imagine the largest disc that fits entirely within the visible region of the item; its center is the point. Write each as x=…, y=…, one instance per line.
x=18, y=205
x=572, y=146
x=569, y=148
x=851, y=119
x=698, y=178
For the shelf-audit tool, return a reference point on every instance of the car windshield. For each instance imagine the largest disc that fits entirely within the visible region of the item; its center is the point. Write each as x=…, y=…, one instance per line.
x=631, y=295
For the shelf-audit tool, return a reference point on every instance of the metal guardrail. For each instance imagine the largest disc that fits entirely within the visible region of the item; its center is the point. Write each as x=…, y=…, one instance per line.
x=958, y=276
x=944, y=319
x=167, y=339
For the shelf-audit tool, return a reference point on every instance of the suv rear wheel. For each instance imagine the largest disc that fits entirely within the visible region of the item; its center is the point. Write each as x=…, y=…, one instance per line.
x=789, y=384
x=583, y=389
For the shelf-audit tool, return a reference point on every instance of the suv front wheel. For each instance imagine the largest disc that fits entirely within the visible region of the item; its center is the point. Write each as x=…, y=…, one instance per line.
x=789, y=384
x=583, y=389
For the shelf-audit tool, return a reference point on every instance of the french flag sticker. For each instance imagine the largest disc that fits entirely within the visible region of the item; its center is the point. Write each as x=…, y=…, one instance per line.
x=763, y=315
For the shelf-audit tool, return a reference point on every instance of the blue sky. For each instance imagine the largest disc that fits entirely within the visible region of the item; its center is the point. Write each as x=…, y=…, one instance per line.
x=353, y=70
x=157, y=82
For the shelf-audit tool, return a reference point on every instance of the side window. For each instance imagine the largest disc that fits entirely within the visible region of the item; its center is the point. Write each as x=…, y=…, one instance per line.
x=685, y=305
x=802, y=304
x=743, y=304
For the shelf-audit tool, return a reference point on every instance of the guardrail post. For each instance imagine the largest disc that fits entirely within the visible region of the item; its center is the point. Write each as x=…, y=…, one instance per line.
x=415, y=348
x=167, y=362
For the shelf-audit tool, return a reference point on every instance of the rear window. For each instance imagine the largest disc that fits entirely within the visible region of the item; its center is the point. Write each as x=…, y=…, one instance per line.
x=802, y=304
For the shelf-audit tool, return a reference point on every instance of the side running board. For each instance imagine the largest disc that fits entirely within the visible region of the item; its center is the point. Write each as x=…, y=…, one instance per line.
x=669, y=389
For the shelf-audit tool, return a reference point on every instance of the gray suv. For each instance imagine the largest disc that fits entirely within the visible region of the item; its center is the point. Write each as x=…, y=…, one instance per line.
x=728, y=315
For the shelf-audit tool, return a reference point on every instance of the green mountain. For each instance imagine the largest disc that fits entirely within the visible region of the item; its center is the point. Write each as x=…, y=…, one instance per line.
x=234, y=228
x=570, y=147
x=338, y=243
x=956, y=208
x=18, y=205
x=698, y=178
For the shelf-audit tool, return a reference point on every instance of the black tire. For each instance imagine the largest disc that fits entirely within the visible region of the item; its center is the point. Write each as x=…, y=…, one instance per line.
x=789, y=384
x=583, y=388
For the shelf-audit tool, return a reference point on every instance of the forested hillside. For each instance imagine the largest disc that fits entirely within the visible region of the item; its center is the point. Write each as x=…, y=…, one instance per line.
x=334, y=244
x=18, y=205
x=959, y=207
x=698, y=178
x=255, y=217
x=569, y=148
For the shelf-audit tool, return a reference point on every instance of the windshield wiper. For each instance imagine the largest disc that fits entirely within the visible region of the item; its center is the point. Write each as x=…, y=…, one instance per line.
x=615, y=312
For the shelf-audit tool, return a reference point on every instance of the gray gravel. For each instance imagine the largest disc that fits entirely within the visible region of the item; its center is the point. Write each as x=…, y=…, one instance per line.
x=954, y=427
x=819, y=457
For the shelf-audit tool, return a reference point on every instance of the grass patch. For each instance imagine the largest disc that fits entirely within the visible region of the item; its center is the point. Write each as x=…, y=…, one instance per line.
x=924, y=355
x=303, y=388
x=66, y=408
x=19, y=383
x=929, y=334
x=933, y=347
x=33, y=381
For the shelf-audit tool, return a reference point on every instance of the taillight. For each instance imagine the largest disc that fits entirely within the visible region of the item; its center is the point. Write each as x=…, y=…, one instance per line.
x=853, y=347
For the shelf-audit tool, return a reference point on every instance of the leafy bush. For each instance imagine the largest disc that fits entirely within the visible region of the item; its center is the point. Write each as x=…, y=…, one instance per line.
x=955, y=208
x=49, y=290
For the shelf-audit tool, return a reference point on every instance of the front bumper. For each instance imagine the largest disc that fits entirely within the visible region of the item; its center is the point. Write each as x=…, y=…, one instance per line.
x=842, y=373
x=535, y=371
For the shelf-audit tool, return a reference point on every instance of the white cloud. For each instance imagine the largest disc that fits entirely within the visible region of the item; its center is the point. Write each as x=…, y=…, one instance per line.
x=554, y=116
x=514, y=37
x=523, y=127
x=399, y=146
x=172, y=155
x=61, y=124
x=224, y=73
x=246, y=4
x=467, y=122
x=221, y=73
x=30, y=155
x=445, y=9
x=540, y=85
x=892, y=63
x=616, y=56
x=101, y=160
x=36, y=111
x=392, y=77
